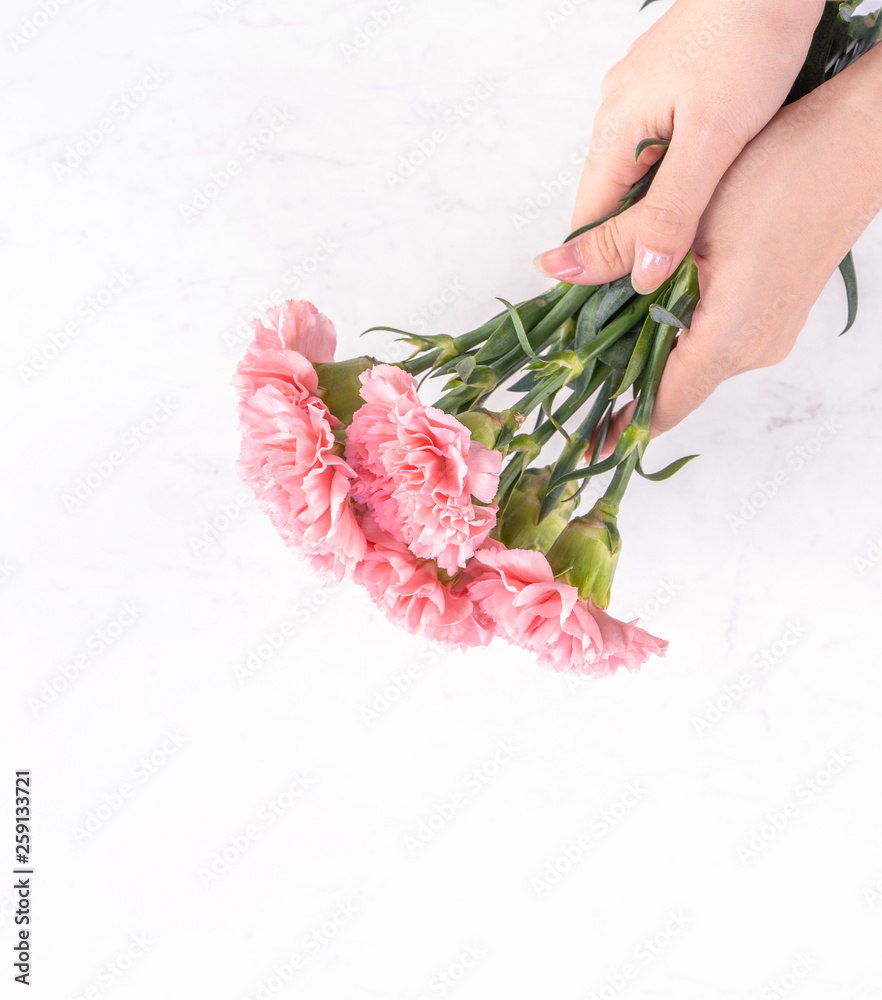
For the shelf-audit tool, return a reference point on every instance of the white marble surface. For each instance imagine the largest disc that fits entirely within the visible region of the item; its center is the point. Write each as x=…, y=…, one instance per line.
x=141, y=391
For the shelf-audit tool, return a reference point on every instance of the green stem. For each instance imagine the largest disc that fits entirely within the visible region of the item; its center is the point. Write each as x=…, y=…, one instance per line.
x=467, y=342
x=575, y=448
x=509, y=479
x=544, y=390
x=655, y=366
x=633, y=313
x=551, y=300
x=543, y=433
x=602, y=430
x=619, y=482
x=542, y=333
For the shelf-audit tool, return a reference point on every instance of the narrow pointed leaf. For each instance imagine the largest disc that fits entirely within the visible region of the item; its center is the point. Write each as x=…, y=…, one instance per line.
x=619, y=294
x=543, y=332
x=665, y=318
x=546, y=407
x=619, y=354
x=503, y=338
x=580, y=384
x=600, y=308
x=393, y=329
x=637, y=361
x=622, y=450
x=520, y=331
x=646, y=143
x=595, y=469
x=450, y=367
x=846, y=269
x=667, y=471
x=586, y=323
x=465, y=367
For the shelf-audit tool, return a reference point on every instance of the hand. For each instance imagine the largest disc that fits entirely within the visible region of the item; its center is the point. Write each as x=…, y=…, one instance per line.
x=783, y=217
x=709, y=75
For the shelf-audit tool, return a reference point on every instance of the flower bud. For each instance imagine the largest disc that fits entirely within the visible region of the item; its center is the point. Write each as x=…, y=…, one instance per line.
x=495, y=430
x=518, y=527
x=339, y=386
x=586, y=552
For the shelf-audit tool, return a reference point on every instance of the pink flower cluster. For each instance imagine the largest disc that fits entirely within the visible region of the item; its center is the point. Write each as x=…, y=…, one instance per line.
x=401, y=501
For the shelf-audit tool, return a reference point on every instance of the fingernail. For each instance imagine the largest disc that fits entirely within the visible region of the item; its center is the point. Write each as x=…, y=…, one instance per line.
x=562, y=262
x=650, y=269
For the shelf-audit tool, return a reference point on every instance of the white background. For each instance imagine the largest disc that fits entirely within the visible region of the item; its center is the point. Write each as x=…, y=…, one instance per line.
x=785, y=580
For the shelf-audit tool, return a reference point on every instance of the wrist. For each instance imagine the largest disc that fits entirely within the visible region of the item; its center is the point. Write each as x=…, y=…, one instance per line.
x=849, y=160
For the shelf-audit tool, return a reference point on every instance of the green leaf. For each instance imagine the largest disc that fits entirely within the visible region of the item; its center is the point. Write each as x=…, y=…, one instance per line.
x=646, y=143
x=464, y=368
x=420, y=341
x=619, y=354
x=814, y=68
x=846, y=269
x=546, y=409
x=519, y=330
x=664, y=318
x=511, y=363
x=595, y=469
x=630, y=439
x=459, y=398
x=580, y=384
x=863, y=28
x=502, y=338
x=547, y=386
x=667, y=471
x=637, y=361
x=587, y=323
x=449, y=367
x=393, y=329
x=646, y=3
x=619, y=294
x=600, y=308
x=681, y=299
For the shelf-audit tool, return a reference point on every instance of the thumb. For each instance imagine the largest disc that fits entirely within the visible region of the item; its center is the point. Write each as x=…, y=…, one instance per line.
x=651, y=238
x=667, y=218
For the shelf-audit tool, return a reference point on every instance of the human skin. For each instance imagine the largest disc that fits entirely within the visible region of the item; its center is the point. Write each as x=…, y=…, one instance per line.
x=784, y=215
x=708, y=76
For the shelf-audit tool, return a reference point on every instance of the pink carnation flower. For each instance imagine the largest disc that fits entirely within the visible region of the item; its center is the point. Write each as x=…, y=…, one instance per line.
x=296, y=325
x=516, y=593
x=289, y=455
x=420, y=470
x=411, y=595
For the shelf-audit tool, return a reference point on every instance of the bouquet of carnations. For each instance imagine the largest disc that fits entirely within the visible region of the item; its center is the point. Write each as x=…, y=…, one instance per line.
x=465, y=522
x=439, y=510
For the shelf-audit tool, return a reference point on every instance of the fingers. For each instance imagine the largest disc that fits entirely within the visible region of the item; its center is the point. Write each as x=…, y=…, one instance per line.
x=609, y=173
x=652, y=238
